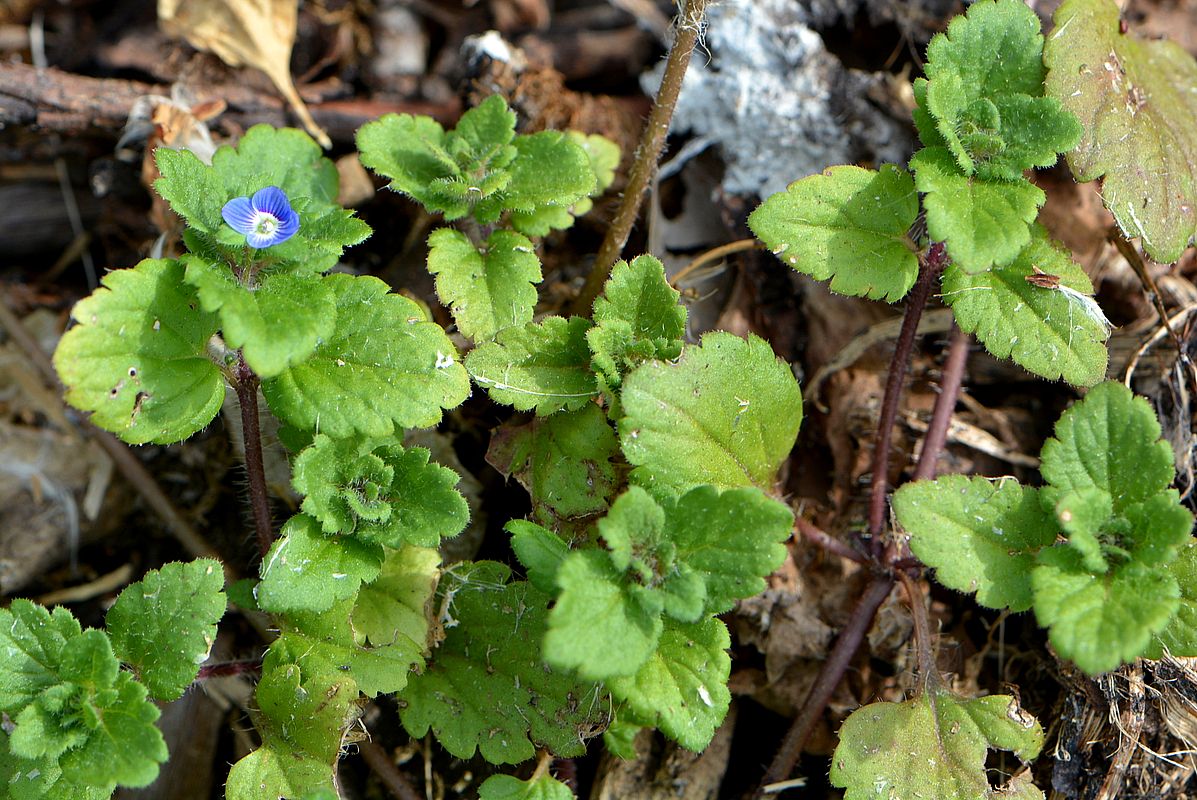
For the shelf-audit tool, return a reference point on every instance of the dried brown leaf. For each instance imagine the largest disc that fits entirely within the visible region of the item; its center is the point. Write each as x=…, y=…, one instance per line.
x=252, y=33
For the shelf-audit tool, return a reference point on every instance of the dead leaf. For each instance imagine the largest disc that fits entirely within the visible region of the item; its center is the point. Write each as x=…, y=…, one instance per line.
x=253, y=33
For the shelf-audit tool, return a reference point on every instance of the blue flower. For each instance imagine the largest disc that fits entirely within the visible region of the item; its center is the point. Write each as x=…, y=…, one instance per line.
x=266, y=219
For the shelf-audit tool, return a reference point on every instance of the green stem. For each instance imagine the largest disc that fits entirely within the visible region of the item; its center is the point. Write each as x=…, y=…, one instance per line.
x=648, y=153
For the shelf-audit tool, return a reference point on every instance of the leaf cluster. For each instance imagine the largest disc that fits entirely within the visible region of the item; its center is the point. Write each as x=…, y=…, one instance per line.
x=1103, y=553
x=984, y=120
x=81, y=723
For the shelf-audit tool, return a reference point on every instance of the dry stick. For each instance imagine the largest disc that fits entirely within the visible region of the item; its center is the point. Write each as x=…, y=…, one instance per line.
x=930, y=268
x=714, y=254
x=382, y=766
x=945, y=404
x=828, y=542
x=829, y=678
x=246, y=387
x=128, y=464
x=652, y=142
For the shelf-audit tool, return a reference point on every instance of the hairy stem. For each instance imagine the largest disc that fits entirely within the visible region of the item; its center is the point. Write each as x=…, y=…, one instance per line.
x=246, y=386
x=380, y=764
x=830, y=675
x=648, y=153
x=930, y=267
x=945, y=404
x=922, y=629
x=226, y=668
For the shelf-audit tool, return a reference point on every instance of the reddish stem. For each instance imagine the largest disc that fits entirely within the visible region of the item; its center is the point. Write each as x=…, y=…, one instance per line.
x=828, y=542
x=246, y=386
x=829, y=678
x=945, y=404
x=226, y=668
x=380, y=764
x=930, y=268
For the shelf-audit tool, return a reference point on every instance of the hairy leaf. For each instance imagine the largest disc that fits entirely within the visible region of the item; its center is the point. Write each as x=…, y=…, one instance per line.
x=488, y=289
x=550, y=170
x=1180, y=635
x=508, y=787
x=847, y=224
x=637, y=318
x=1052, y=332
x=306, y=570
x=73, y=711
x=984, y=223
x=276, y=324
x=138, y=357
x=682, y=687
x=1136, y=99
x=563, y=460
x=980, y=536
x=410, y=150
x=1101, y=621
x=164, y=625
x=985, y=93
x=543, y=366
x=385, y=366
x=486, y=688
x=540, y=551
x=1110, y=440
x=934, y=745
x=727, y=414
x=379, y=492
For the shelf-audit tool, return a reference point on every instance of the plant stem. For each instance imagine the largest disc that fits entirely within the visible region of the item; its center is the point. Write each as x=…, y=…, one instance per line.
x=714, y=254
x=246, y=386
x=922, y=629
x=380, y=764
x=829, y=678
x=828, y=542
x=227, y=668
x=652, y=141
x=930, y=268
x=945, y=404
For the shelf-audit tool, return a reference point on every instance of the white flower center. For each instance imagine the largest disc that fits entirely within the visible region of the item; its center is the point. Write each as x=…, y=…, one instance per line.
x=265, y=224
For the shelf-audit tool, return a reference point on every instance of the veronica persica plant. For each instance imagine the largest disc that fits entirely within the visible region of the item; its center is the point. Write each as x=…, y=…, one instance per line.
x=266, y=219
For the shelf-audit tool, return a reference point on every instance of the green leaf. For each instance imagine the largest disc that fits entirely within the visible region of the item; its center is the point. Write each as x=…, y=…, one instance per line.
x=604, y=158
x=381, y=493
x=484, y=133
x=1082, y=514
x=392, y=607
x=550, y=171
x=302, y=720
x=1101, y=621
x=980, y=535
x=1135, y=99
x=277, y=323
x=682, y=687
x=1110, y=441
x=985, y=93
x=508, y=787
x=488, y=290
x=727, y=414
x=306, y=570
x=72, y=707
x=385, y=366
x=138, y=357
x=602, y=625
x=563, y=460
x=164, y=625
x=731, y=539
x=265, y=156
x=847, y=224
x=486, y=688
x=1180, y=635
x=409, y=150
x=934, y=745
x=637, y=318
x=1054, y=333
x=545, y=367
x=984, y=223
x=540, y=551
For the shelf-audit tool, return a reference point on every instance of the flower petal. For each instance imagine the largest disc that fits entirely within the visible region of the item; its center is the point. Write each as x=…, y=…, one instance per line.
x=239, y=214
x=273, y=201
x=260, y=241
x=288, y=226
